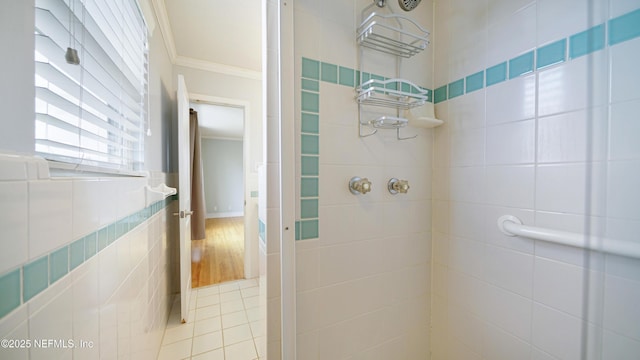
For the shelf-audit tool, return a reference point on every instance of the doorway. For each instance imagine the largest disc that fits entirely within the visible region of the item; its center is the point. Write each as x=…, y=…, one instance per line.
x=223, y=255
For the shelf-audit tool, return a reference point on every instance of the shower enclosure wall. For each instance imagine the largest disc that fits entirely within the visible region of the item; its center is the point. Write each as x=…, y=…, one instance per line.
x=540, y=105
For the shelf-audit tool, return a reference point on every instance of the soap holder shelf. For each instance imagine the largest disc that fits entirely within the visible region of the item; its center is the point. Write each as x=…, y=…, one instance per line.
x=387, y=33
x=394, y=93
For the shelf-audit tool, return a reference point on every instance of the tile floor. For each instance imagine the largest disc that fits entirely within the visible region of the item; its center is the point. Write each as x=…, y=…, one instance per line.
x=224, y=324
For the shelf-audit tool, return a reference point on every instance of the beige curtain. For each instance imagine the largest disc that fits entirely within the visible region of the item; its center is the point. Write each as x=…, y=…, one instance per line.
x=197, y=186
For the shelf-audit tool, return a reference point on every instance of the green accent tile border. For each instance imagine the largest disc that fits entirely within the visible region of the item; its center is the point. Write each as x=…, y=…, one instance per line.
x=309, y=187
x=58, y=264
x=346, y=76
x=309, y=208
x=35, y=277
x=440, y=94
x=262, y=231
x=521, y=65
x=21, y=285
x=310, y=69
x=309, y=229
x=586, y=42
x=497, y=74
x=310, y=123
x=625, y=27
x=311, y=85
x=76, y=256
x=310, y=165
x=310, y=101
x=91, y=245
x=254, y=194
x=310, y=144
x=329, y=73
x=474, y=82
x=551, y=54
x=10, y=290
x=456, y=88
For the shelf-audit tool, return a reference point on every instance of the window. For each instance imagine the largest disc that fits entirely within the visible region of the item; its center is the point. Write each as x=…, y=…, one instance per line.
x=91, y=113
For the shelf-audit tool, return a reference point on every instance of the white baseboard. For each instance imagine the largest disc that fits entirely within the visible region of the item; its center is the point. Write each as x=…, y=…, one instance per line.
x=225, y=214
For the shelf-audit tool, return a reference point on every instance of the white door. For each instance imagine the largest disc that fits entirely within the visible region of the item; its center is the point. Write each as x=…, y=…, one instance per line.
x=184, y=198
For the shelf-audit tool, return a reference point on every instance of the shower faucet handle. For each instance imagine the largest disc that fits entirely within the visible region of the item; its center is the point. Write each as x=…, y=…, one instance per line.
x=359, y=185
x=398, y=186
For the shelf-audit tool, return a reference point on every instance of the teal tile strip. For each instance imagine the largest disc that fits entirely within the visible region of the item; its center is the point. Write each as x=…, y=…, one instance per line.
x=10, y=290
x=521, y=65
x=309, y=229
x=310, y=69
x=312, y=85
x=496, y=74
x=475, y=82
x=551, y=54
x=310, y=123
x=440, y=94
x=35, y=277
x=58, y=264
x=309, y=208
x=20, y=285
x=310, y=144
x=329, y=73
x=625, y=27
x=347, y=76
x=262, y=231
x=456, y=88
x=309, y=187
x=586, y=42
x=620, y=29
x=310, y=132
x=310, y=102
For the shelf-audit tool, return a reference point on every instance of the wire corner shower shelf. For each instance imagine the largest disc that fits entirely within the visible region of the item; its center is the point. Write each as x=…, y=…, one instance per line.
x=387, y=33
x=400, y=36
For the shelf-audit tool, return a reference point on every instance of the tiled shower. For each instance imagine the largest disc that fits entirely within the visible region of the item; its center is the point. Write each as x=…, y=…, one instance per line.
x=539, y=101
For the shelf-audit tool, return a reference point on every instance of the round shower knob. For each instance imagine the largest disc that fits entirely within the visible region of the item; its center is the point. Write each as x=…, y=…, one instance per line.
x=359, y=185
x=398, y=186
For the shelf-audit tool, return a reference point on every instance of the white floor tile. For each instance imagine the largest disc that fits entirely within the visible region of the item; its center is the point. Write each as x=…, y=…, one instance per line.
x=253, y=314
x=237, y=334
x=249, y=292
x=247, y=283
x=208, y=291
x=178, y=333
x=207, y=312
x=251, y=302
x=231, y=306
x=230, y=296
x=224, y=324
x=208, y=300
x=226, y=287
x=211, y=355
x=207, y=342
x=175, y=351
x=245, y=350
x=207, y=325
x=234, y=319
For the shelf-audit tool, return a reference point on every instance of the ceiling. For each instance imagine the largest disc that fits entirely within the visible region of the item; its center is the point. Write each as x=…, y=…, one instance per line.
x=222, y=36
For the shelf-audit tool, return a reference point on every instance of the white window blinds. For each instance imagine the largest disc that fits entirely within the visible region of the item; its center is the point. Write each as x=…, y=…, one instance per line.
x=92, y=113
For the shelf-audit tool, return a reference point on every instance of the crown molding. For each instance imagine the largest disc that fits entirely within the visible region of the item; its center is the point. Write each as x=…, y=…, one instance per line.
x=217, y=68
x=167, y=35
x=165, y=28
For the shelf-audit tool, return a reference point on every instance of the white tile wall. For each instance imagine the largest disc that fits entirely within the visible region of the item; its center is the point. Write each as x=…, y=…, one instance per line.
x=558, y=150
x=117, y=299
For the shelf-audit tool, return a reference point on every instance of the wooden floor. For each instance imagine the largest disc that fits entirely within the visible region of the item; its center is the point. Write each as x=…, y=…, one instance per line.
x=219, y=257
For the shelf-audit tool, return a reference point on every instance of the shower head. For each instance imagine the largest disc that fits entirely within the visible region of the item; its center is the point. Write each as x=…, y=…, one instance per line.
x=408, y=5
